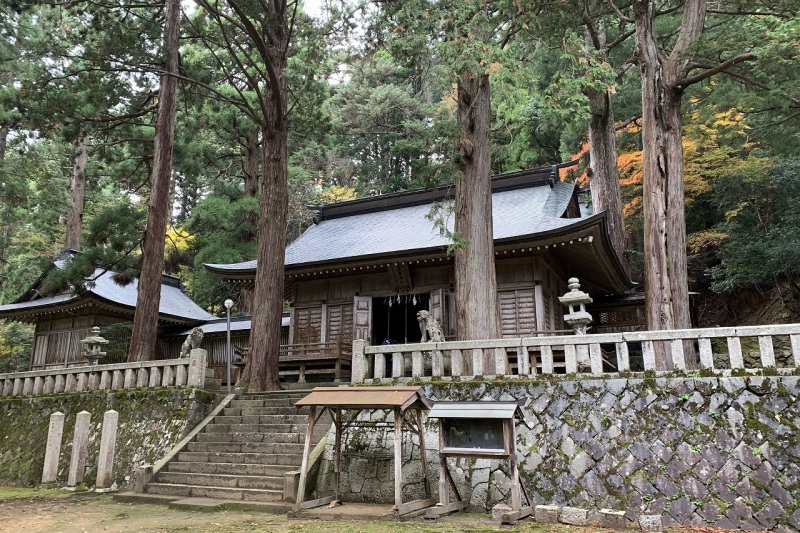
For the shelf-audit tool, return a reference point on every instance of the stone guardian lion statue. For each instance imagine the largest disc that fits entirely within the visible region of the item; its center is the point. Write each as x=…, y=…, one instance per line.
x=429, y=327
x=192, y=342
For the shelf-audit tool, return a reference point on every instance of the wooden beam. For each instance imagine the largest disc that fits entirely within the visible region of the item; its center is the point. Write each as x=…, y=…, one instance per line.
x=426, y=482
x=416, y=505
x=301, y=488
x=319, y=502
x=439, y=510
x=337, y=453
x=398, y=458
x=513, y=516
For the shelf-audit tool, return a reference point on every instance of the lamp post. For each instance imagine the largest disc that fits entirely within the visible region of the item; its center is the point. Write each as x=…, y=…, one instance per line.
x=228, y=305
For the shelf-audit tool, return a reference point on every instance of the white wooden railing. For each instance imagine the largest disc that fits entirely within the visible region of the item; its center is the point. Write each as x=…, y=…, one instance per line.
x=718, y=349
x=186, y=372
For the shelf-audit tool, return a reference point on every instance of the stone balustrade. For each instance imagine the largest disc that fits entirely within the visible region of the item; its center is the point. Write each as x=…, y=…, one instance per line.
x=725, y=350
x=187, y=372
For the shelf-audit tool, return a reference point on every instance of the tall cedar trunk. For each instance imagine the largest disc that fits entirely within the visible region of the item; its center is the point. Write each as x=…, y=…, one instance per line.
x=145, y=319
x=261, y=370
x=666, y=278
x=251, y=169
x=77, y=189
x=604, y=173
x=477, y=316
x=4, y=238
x=251, y=165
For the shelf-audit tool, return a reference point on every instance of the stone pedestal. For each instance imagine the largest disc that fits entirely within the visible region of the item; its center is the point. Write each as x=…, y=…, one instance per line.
x=546, y=514
x=108, y=442
x=197, y=368
x=80, y=446
x=51, y=454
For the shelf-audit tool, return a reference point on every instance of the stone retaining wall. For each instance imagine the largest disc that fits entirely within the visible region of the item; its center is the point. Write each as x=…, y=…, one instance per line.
x=712, y=450
x=150, y=423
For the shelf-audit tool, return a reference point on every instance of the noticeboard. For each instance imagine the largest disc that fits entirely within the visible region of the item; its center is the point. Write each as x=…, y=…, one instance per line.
x=470, y=436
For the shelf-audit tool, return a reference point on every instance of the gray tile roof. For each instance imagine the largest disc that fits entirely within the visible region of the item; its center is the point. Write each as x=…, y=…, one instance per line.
x=174, y=303
x=515, y=213
x=219, y=325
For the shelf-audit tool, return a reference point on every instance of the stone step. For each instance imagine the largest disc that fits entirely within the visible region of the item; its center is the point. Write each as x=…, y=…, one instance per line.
x=245, y=447
x=220, y=493
x=256, y=436
x=250, y=411
x=264, y=402
x=229, y=481
x=276, y=394
x=283, y=459
x=254, y=428
x=243, y=469
x=301, y=420
x=210, y=504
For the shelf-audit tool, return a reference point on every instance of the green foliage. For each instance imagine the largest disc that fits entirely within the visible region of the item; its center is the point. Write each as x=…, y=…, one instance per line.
x=16, y=342
x=762, y=244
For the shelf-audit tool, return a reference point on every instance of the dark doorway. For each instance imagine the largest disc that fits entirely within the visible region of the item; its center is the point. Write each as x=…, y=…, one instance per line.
x=394, y=318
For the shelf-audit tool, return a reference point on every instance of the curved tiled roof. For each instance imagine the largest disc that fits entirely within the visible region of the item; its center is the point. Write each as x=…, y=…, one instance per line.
x=515, y=213
x=174, y=306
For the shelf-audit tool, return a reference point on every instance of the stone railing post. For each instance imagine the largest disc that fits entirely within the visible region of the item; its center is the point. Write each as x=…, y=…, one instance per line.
x=53, y=451
x=108, y=443
x=359, y=362
x=197, y=368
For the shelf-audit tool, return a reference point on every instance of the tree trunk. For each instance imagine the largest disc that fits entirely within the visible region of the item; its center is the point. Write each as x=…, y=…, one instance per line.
x=251, y=169
x=251, y=156
x=6, y=235
x=77, y=189
x=666, y=277
x=145, y=320
x=476, y=282
x=604, y=172
x=261, y=370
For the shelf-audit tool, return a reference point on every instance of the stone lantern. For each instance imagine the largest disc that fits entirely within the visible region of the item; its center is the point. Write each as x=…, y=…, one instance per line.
x=92, y=346
x=578, y=318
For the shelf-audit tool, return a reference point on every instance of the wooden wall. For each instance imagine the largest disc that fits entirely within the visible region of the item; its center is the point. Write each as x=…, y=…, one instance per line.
x=528, y=290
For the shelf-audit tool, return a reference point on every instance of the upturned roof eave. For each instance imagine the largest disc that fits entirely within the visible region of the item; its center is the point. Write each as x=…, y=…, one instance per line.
x=618, y=277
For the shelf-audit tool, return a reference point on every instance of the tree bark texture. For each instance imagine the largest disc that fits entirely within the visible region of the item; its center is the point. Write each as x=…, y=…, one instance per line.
x=77, y=189
x=666, y=278
x=6, y=235
x=606, y=196
x=477, y=316
x=145, y=319
x=261, y=370
x=251, y=156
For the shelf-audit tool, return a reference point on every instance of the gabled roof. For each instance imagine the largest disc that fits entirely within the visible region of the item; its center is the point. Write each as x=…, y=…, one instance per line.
x=531, y=210
x=104, y=293
x=403, y=397
x=485, y=409
x=523, y=203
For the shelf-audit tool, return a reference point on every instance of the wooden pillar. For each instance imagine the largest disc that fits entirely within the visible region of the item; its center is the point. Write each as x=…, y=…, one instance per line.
x=444, y=494
x=516, y=499
x=398, y=458
x=337, y=454
x=425, y=480
x=301, y=488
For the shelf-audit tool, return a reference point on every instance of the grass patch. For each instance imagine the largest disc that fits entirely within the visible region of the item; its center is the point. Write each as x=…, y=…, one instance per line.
x=11, y=493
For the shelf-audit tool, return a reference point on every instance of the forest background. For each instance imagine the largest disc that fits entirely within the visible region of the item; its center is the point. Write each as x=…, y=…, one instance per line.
x=372, y=108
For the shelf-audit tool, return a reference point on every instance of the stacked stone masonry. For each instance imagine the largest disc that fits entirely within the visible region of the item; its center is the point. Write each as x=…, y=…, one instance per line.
x=720, y=451
x=150, y=424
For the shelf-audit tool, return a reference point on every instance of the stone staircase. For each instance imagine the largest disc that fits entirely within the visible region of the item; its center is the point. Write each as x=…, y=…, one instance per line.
x=243, y=454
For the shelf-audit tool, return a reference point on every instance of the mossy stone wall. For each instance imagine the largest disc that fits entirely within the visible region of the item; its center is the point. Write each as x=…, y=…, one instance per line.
x=150, y=423
x=705, y=450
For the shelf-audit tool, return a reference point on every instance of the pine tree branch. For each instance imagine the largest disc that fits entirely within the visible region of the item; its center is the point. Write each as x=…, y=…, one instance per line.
x=707, y=73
